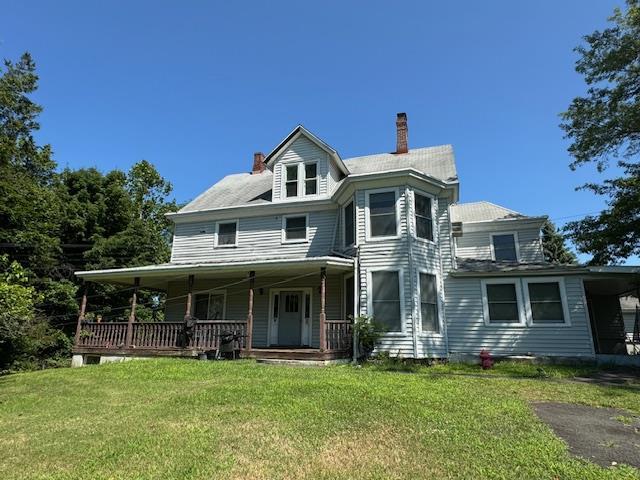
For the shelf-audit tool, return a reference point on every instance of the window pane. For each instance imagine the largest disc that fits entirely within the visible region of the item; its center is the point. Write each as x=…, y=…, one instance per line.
x=292, y=189
x=383, y=225
x=227, y=233
x=385, y=285
x=292, y=173
x=501, y=292
x=216, y=307
x=381, y=203
x=541, y=292
x=201, y=306
x=504, y=248
x=388, y=314
x=310, y=170
x=503, y=312
x=547, y=312
x=349, y=225
x=385, y=290
x=423, y=205
x=424, y=228
x=310, y=187
x=296, y=228
x=428, y=290
x=429, y=314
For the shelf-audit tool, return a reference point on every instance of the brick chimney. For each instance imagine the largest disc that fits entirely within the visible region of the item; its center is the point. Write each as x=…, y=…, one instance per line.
x=401, y=133
x=258, y=163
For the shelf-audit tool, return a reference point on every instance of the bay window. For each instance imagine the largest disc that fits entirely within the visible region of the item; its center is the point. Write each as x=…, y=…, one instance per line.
x=423, y=216
x=382, y=214
x=386, y=307
x=429, y=303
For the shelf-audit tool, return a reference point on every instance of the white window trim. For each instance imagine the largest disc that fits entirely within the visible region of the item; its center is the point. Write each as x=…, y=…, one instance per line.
x=300, y=164
x=563, y=300
x=344, y=225
x=284, y=230
x=370, y=311
x=304, y=179
x=433, y=216
x=485, y=302
x=215, y=241
x=368, y=193
x=515, y=241
x=439, y=304
x=209, y=293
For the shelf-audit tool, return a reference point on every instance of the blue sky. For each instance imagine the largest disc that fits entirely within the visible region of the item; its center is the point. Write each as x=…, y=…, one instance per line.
x=196, y=87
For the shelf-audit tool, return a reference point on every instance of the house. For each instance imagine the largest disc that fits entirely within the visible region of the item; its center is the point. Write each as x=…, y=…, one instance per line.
x=287, y=254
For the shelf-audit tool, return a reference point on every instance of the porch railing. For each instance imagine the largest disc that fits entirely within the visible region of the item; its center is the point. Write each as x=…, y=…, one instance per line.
x=338, y=335
x=205, y=335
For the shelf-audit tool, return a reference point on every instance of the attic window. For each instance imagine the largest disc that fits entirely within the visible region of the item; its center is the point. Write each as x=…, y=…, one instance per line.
x=227, y=234
x=310, y=178
x=291, y=182
x=504, y=247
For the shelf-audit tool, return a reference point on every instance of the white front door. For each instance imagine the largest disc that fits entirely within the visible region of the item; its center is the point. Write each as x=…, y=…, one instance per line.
x=290, y=319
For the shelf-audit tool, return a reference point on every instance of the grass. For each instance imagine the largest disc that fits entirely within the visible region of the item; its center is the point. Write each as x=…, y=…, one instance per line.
x=201, y=420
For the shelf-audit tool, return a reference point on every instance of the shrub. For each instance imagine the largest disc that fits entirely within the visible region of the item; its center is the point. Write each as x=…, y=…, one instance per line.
x=368, y=333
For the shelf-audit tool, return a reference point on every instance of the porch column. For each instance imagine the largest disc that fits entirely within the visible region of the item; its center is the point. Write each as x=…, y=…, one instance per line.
x=187, y=312
x=83, y=309
x=323, y=315
x=252, y=280
x=132, y=315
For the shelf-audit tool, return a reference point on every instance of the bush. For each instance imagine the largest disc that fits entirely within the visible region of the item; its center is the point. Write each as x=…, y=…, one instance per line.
x=368, y=333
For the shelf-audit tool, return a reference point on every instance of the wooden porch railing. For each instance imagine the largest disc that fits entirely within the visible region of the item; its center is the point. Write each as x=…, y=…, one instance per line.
x=338, y=335
x=205, y=335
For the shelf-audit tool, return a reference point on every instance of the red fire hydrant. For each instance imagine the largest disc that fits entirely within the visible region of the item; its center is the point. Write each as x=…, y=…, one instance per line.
x=485, y=359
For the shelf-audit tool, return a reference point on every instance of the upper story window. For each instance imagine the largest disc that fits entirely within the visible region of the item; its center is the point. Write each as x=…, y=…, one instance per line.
x=294, y=228
x=423, y=215
x=429, y=303
x=386, y=299
x=382, y=213
x=227, y=234
x=310, y=178
x=502, y=302
x=349, y=224
x=504, y=247
x=291, y=180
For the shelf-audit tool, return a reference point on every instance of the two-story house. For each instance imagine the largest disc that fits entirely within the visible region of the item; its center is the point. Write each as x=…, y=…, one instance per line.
x=289, y=253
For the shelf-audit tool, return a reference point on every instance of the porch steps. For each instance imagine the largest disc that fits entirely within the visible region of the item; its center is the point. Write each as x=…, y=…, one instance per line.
x=281, y=355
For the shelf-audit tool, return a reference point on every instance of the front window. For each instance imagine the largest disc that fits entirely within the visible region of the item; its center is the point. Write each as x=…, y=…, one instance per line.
x=502, y=303
x=429, y=303
x=295, y=228
x=424, y=222
x=545, y=301
x=310, y=178
x=504, y=248
x=291, y=183
x=382, y=214
x=227, y=234
x=349, y=225
x=209, y=306
x=385, y=299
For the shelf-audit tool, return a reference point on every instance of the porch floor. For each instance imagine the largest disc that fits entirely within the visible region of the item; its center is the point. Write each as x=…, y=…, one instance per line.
x=302, y=353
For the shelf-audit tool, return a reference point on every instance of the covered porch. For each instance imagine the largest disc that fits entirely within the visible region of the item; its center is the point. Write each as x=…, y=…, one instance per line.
x=298, y=309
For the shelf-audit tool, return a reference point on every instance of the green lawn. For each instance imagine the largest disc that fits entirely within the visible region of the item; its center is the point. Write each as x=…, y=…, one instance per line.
x=187, y=419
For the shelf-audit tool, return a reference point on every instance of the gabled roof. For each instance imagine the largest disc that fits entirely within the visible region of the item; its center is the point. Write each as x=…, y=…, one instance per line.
x=437, y=162
x=482, y=212
x=297, y=132
x=232, y=190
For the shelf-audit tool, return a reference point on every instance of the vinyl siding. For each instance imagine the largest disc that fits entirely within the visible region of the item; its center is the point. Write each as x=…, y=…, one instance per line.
x=258, y=237
x=477, y=244
x=468, y=334
x=237, y=300
x=301, y=150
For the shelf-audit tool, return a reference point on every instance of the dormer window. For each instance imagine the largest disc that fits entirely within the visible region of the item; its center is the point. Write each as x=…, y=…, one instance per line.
x=291, y=181
x=504, y=247
x=310, y=178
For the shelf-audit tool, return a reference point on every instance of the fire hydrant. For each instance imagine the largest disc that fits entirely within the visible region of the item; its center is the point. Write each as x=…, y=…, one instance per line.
x=485, y=359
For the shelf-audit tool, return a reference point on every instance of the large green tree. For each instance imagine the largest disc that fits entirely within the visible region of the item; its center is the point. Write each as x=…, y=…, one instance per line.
x=604, y=125
x=554, y=246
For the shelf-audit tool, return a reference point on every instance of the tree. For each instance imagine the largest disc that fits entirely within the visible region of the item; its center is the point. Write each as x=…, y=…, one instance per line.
x=605, y=125
x=553, y=245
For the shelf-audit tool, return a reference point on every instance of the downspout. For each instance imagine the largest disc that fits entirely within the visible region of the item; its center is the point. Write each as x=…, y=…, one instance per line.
x=356, y=302
x=453, y=259
x=411, y=272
